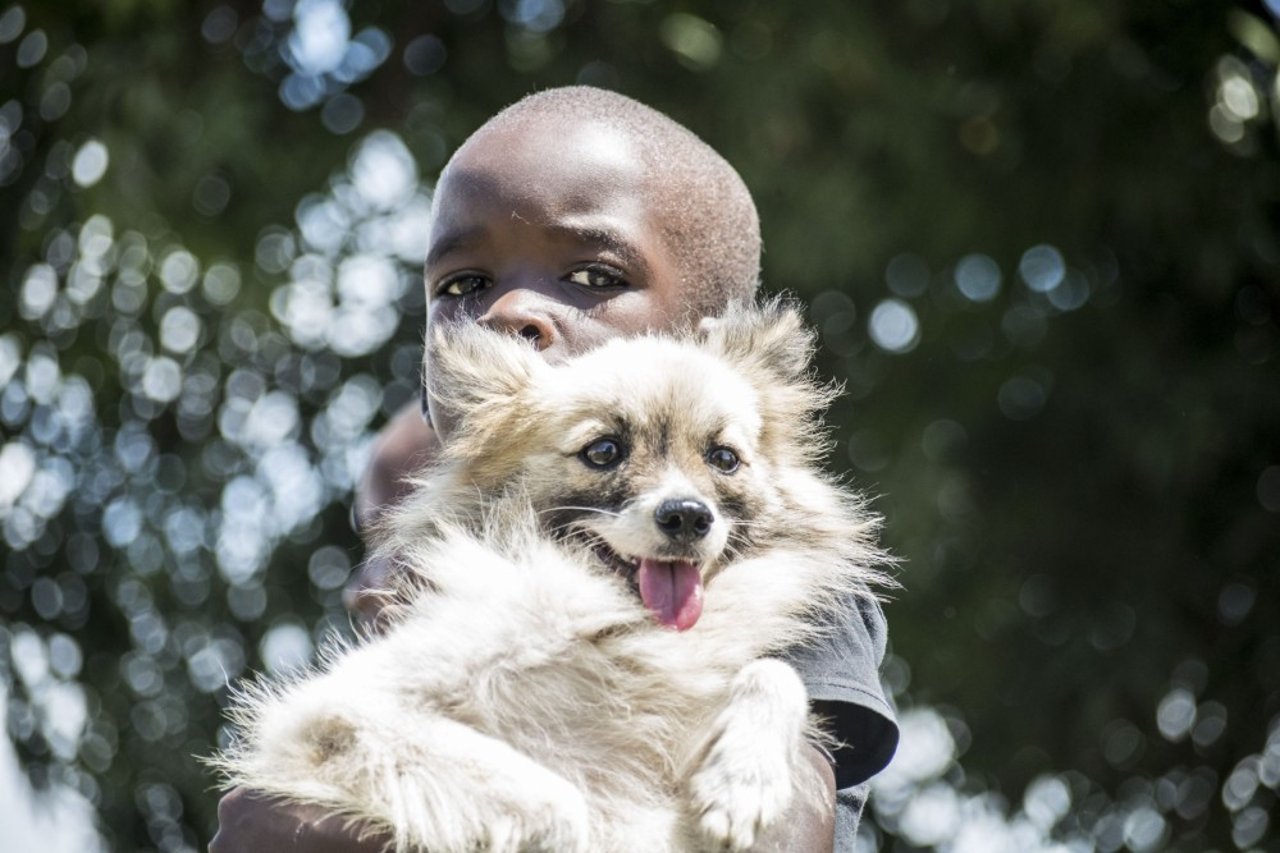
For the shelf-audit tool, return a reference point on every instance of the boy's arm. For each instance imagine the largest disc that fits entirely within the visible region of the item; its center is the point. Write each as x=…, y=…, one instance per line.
x=248, y=821
x=405, y=444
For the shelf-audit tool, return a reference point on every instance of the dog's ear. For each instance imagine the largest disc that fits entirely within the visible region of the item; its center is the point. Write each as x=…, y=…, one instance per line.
x=773, y=349
x=470, y=369
x=771, y=336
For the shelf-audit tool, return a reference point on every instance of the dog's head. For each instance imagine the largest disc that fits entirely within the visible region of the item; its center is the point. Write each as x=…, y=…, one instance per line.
x=657, y=454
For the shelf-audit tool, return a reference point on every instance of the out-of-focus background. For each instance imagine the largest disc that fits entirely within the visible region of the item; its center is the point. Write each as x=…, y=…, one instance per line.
x=1039, y=238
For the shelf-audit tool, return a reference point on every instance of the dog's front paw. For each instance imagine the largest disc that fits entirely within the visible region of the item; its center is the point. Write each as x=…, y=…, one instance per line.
x=514, y=807
x=739, y=790
x=535, y=810
x=746, y=776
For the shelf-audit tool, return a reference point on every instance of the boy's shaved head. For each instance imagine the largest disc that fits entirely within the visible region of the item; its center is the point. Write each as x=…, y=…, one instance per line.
x=704, y=210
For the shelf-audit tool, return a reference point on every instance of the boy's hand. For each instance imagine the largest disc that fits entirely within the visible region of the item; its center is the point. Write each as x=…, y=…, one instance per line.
x=804, y=827
x=250, y=822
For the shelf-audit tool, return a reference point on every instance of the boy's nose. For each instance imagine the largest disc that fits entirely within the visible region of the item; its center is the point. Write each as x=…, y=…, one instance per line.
x=518, y=313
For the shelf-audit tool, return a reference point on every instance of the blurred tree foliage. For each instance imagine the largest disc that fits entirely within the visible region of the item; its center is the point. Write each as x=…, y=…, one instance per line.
x=1040, y=240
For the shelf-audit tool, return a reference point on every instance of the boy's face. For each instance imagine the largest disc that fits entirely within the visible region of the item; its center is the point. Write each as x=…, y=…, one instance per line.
x=549, y=233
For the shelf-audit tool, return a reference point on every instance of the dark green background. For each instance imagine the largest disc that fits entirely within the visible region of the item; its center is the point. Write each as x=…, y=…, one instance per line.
x=1085, y=491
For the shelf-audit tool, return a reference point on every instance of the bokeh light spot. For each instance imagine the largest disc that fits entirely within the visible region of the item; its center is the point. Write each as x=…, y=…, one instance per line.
x=384, y=171
x=893, y=326
x=1071, y=293
x=285, y=647
x=1021, y=398
x=90, y=163
x=1046, y=801
x=695, y=42
x=539, y=16
x=17, y=467
x=1237, y=95
x=211, y=195
x=425, y=55
x=1176, y=714
x=907, y=275
x=178, y=271
x=55, y=101
x=941, y=439
x=1225, y=125
x=10, y=357
x=180, y=329
x=1234, y=603
x=11, y=23
x=1269, y=488
x=342, y=113
x=221, y=283
x=329, y=567
x=162, y=379
x=1042, y=268
x=39, y=290
x=1250, y=827
x=978, y=277
x=320, y=35
x=32, y=49
x=1144, y=829
x=219, y=25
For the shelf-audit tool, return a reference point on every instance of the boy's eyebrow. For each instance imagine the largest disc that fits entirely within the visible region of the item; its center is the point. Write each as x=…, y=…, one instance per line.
x=451, y=241
x=606, y=238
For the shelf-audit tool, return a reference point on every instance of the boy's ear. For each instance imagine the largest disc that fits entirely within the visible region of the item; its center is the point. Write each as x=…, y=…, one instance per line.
x=771, y=336
x=470, y=368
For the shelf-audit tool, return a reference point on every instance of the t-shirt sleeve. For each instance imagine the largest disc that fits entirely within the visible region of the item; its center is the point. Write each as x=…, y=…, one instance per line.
x=841, y=671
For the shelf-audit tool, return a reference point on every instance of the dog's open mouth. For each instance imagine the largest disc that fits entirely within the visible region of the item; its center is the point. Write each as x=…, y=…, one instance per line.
x=670, y=589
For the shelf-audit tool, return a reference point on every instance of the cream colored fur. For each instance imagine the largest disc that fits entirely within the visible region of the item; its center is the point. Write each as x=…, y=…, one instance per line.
x=522, y=698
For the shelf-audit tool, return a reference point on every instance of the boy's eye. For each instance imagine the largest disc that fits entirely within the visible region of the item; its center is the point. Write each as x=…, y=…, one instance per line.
x=723, y=460
x=596, y=276
x=463, y=285
x=603, y=453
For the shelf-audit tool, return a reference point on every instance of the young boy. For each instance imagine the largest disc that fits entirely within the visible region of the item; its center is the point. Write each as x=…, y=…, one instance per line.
x=571, y=217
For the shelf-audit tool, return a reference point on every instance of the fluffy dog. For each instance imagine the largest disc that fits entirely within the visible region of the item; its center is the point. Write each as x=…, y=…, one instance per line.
x=600, y=565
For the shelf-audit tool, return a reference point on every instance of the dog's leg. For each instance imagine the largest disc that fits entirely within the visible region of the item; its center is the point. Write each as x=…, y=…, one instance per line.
x=744, y=779
x=392, y=762
x=459, y=790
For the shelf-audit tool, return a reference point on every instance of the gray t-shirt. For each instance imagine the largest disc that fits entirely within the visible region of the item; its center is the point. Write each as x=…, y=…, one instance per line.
x=842, y=674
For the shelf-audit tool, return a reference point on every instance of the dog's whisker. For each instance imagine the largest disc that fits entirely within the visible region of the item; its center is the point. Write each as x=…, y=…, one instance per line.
x=573, y=527
x=593, y=509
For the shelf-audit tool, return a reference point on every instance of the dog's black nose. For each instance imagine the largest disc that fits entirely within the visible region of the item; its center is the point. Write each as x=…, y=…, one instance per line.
x=684, y=520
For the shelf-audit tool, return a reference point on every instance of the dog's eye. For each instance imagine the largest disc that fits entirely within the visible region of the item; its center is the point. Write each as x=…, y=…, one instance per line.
x=723, y=460
x=603, y=453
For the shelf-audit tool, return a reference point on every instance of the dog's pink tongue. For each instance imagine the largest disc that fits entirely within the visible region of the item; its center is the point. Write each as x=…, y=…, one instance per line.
x=672, y=592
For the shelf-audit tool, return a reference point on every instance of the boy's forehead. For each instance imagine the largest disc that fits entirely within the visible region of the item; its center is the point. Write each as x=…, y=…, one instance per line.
x=531, y=154
x=566, y=166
